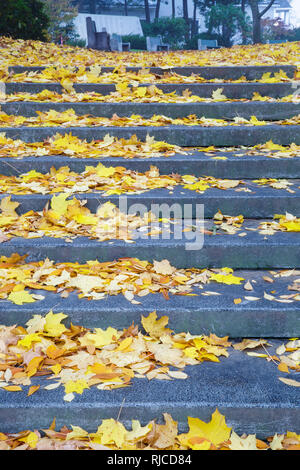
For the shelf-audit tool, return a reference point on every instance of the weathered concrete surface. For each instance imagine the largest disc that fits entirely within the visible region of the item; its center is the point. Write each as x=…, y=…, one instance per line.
x=223, y=72
x=269, y=111
x=197, y=314
x=261, y=202
x=186, y=136
x=237, y=164
x=205, y=90
x=245, y=389
x=182, y=249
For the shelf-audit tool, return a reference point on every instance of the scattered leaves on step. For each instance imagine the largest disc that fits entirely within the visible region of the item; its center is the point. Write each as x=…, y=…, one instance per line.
x=286, y=357
x=69, y=118
x=78, y=358
x=74, y=147
x=107, y=180
x=69, y=218
x=111, y=434
x=71, y=146
x=94, y=280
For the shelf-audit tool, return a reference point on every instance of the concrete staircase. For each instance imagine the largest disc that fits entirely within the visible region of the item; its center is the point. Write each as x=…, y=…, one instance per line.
x=246, y=389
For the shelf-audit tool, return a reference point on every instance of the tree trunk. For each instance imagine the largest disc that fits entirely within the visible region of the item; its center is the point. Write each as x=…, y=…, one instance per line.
x=173, y=8
x=257, y=15
x=185, y=10
x=157, y=9
x=256, y=35
x=147, y=11
x=93, y=6
x=126, y=8
x=244, y=37
x=186, y=18
x=194, y=31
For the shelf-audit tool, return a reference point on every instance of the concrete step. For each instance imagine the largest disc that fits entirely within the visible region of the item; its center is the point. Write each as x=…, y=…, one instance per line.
x=185, y=136
x=205, y=90
x=182, y=249
x=233, y=72
x=261, y=202
x=210, y=310
x=245, y=389
x=269, y=111
x=237, y=164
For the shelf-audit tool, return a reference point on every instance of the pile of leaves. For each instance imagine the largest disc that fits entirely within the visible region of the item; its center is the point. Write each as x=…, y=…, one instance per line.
x=109, y=180
x=77, y=358
x=126, y=94
x=69, y=118
x=275, y=151
x=119, y=180
x=95, y=280
x=68, y=75
x=70, y=219
x=282, y=222
x=113, y=435
x=35, y=53
x=72, y=146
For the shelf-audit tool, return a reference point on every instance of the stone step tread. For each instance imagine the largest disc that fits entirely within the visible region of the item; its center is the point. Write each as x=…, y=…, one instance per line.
x=185, y=136
x=245, y=389
x=261, y=202
x=210, y=310
x=182, y=249
x=263, y=110
x=209, y=72
x=230, y=90
x=233, y=164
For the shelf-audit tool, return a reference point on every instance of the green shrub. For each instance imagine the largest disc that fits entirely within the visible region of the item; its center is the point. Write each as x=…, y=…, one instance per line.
x=24, y=19
x=192, y=44
x=136, y=41
x=76, y=42
x=172, y=31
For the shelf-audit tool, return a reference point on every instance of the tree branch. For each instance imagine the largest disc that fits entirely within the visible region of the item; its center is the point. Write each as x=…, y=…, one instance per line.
x=266, y=9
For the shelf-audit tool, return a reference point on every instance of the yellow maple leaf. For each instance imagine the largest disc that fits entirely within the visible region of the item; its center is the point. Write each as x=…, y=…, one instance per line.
x=141, y=91
x=75, y=386
x=31, y=440
x=103, y=337
x=255, y=122
x=31, y=175
x=217, y=95
x=226, y=278
x=21, y=297
x=292, y=225
x=53, y=326
x=155, y=328
x=76, y=433
x=138, y=431
x=8, y=207
x=59, y=204
x=198, y=186
x=104, y=171
x=216, y=431
x=85, y=219
x=27, y=341
x=110, y=432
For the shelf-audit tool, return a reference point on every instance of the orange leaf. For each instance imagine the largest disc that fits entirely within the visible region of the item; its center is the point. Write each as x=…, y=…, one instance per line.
x=32, y=390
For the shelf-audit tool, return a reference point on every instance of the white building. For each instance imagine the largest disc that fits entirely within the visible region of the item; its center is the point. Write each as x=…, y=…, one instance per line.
x=280, y=9
x=295, y=13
